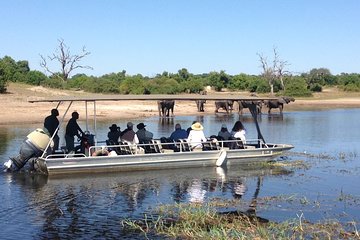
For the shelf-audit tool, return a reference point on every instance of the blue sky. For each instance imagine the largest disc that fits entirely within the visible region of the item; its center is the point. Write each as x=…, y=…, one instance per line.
x=152, y=36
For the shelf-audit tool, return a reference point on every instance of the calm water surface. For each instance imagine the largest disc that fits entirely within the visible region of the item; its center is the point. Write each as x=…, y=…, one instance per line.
x=84, y=207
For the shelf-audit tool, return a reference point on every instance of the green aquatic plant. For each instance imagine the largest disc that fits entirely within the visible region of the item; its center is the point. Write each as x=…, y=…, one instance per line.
x=197, y=221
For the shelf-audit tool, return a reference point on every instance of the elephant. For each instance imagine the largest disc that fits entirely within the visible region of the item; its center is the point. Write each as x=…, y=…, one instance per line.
x=200, y=105
x=246, y=104
x=278, y=103
x=227, y=105
x=164, y=107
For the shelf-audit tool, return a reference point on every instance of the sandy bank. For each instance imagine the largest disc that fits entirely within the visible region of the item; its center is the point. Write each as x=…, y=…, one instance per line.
x=15, y=109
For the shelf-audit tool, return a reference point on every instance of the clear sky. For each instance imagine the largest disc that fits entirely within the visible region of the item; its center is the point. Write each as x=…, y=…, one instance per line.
x=152, y=36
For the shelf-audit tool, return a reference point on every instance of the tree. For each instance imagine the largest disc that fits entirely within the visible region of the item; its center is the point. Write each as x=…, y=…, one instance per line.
x=68, y=62
x=268, y=72
x=273, y=72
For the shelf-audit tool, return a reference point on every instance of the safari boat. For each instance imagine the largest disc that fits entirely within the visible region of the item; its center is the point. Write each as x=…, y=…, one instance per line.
x=155, y=155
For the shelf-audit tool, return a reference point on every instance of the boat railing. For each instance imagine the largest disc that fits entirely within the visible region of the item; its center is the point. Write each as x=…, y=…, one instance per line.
x=156, y=146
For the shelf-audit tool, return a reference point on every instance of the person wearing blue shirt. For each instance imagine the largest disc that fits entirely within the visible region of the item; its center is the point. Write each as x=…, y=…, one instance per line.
x=179, y=133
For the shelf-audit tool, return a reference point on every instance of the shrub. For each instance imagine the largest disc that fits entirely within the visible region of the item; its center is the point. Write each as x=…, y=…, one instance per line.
x=35, y=78
x=53, y=83
x=132, y=85
x=296, y=87
x=316, y=88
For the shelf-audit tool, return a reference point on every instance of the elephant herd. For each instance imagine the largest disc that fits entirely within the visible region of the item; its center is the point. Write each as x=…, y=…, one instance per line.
x=167, y=106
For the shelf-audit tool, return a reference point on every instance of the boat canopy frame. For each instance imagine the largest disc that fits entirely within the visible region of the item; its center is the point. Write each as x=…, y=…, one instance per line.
x=158, y=97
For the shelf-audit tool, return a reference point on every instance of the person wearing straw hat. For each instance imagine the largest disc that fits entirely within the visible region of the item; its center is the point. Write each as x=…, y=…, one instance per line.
x=196, y=136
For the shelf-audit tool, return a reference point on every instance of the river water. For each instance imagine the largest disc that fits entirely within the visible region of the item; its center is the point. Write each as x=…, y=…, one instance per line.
x=323, y=185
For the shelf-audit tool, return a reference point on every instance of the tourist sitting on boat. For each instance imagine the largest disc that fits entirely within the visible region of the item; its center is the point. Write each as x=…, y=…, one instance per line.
x=128, y=134
x=238, y=133
x=224, y=134
x=179, y=133
x=114, y=135
x=72, y=130
x=189, y=128
x=143, y=135
x=51, y=123
x=32, y=147
x=196, y=136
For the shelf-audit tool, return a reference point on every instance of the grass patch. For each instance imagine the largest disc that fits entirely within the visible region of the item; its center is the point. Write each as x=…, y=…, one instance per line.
x=189, y=221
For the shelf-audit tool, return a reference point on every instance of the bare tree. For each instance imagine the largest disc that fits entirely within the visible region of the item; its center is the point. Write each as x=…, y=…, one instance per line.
x=280, y=66
x=274, y=72
x=268, y=72
x=68, y=62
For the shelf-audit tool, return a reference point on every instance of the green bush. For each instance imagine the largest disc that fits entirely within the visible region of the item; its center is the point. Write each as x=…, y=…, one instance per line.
x=258, y=85
x=192, y=86
x=162, y=85
x=352, y=87
x=53, y=83
x=316, y=87
x=3, y=83
x=296, y=87
x=35, y=78
x=132, y=85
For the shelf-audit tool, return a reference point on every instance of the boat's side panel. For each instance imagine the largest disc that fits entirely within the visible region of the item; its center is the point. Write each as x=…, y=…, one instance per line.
x=158, y=160
x=251, y=155
x=131, y=162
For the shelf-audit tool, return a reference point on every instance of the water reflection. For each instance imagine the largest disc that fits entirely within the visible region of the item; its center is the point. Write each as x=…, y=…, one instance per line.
x=69, y=206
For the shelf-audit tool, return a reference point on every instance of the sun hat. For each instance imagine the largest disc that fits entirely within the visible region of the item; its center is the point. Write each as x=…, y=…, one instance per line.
x=140, y=125
x=197, y=126
x=113, y=127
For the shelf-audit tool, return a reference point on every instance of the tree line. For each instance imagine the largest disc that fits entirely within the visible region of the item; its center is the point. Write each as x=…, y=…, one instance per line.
x=183, y=81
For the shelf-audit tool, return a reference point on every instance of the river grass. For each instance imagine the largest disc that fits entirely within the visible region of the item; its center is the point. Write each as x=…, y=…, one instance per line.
x=194, y=221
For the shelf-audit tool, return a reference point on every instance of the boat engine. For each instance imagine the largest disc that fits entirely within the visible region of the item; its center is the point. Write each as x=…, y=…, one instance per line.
x=32, y=147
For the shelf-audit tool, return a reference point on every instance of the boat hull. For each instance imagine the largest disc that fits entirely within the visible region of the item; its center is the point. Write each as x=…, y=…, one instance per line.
x=136, y=162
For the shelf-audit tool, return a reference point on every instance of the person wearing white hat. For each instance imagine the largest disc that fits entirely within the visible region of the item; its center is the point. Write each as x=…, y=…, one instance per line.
x=196, y=136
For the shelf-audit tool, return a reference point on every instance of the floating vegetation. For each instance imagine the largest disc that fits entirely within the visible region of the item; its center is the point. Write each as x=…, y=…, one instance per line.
x=298, y=164
x=203, y=222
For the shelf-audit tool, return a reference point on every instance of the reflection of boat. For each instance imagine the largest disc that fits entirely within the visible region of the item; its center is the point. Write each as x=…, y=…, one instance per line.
x=153, y=155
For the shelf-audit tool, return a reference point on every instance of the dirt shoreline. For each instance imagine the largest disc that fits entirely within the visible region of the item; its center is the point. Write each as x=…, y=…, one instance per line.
x=15, y=109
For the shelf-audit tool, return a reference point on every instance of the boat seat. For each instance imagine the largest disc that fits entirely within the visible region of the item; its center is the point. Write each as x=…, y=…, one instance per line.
x=238, y=144
x=110, y=143
x=152, y=146
x=182, y=145
x=125, y=148
x=210, y=145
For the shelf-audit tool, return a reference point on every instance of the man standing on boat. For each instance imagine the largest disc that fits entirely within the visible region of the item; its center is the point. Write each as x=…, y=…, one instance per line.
x=51, y=123
x=72, y=130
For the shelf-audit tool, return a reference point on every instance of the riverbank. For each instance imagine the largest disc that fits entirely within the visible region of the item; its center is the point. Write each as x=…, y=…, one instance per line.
x=15, y=108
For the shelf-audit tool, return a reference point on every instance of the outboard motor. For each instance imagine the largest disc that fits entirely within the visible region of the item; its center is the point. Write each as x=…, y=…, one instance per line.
x=32, y=147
